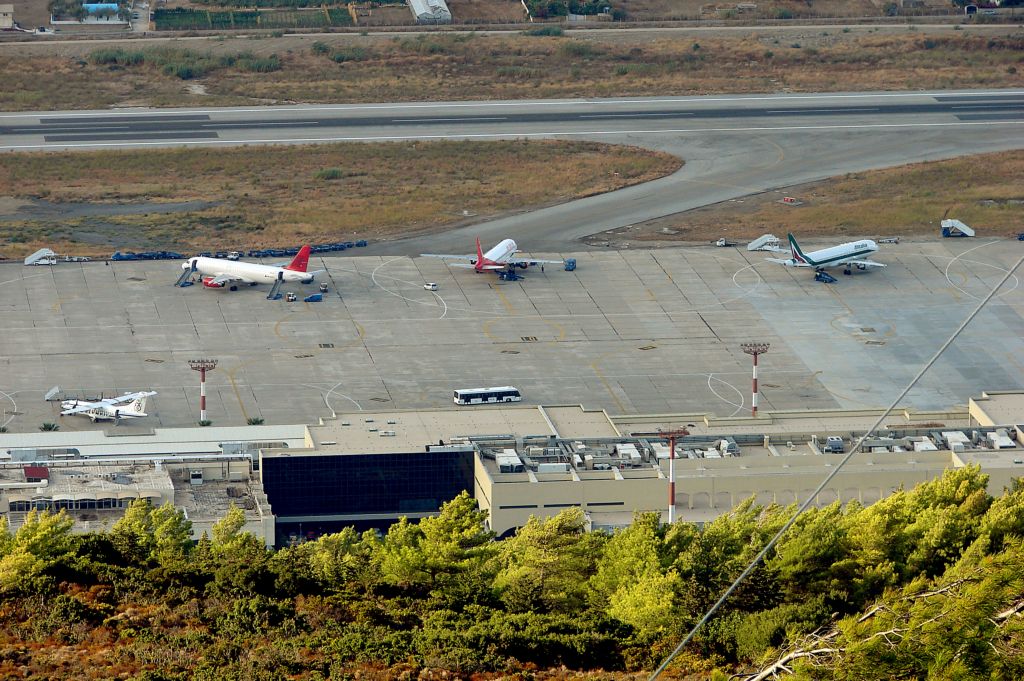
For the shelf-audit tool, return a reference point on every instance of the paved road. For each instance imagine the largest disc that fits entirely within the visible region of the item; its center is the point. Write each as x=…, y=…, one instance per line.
x=733, y=145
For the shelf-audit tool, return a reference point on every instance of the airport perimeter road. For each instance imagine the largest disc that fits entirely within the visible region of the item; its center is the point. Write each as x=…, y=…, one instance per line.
x=733, y=145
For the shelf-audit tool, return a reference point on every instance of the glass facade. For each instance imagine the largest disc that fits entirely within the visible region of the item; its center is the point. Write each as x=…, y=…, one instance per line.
x=364, y=484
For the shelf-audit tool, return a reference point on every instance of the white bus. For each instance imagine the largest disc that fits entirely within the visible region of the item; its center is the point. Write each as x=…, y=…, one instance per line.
x=505, y=393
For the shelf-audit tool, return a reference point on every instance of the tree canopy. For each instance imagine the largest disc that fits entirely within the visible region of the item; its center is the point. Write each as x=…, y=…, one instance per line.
x=925, y=583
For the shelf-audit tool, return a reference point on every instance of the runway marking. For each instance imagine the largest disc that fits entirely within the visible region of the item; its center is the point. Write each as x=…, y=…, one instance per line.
x=855, y=110
x=673, y=114
x=570, y=103
x=505, y=301
x=1016, y=281
x=15, y=404
x=505, y=135
x=448, y=120
x=607, y=386
x=234, y=386
x=327, y=398
x=729, y=402
x=373, y=278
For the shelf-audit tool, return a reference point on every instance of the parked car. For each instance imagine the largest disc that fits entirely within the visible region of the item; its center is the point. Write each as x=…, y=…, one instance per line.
x=290, y=297
x=323, y=287
x=430, y=286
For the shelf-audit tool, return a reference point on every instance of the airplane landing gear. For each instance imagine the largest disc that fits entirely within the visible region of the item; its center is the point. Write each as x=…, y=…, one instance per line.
x=847, y=271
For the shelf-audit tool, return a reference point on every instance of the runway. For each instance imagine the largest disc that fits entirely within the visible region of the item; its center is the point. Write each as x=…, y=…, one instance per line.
x=733, y=145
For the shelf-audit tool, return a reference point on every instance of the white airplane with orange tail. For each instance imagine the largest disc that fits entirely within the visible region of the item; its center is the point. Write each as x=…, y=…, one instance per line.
x=218, y=273
x=501, y=259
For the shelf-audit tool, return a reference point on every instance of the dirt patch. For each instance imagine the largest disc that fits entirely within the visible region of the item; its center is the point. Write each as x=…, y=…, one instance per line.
x=907, y=201
x=445, y=66
x=199, y=199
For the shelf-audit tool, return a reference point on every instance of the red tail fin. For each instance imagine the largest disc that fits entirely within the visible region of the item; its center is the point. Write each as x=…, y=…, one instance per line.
x=479, y=254
x=300, y=261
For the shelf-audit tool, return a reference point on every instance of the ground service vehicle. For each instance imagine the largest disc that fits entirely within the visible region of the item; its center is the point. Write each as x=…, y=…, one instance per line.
x=487, y=395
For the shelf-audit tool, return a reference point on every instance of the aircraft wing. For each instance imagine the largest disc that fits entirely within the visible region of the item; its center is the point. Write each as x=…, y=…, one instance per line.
x=864, y=263
x=471, y=259
x=222, y=278
x=80, y=407
x=532, y=261
x=128, y=397
x=788, y=262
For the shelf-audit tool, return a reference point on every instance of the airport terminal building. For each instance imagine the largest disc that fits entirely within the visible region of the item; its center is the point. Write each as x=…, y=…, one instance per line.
x=370, y=469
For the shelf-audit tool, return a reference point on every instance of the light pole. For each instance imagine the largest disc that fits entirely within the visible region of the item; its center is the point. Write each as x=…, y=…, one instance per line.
x=202, y=366
x=754, y=349
x=672, y=435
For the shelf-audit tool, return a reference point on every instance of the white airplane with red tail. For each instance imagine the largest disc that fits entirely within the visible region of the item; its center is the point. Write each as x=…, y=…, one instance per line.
x=218, y=273
x=501, y=259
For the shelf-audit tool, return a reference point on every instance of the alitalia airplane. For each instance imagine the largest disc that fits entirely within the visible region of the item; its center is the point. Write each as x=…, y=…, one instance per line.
x=854, y=253
x=501, y=259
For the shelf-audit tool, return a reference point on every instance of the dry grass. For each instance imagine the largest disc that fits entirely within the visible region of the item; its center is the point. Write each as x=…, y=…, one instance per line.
x=267, y=196
x=458, y=67
x=905, y=201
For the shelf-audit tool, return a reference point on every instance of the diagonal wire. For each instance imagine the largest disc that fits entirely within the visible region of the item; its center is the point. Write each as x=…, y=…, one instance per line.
x=835, y=471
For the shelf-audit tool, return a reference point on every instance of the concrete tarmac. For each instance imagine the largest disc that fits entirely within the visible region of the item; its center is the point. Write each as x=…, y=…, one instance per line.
x=633, y=331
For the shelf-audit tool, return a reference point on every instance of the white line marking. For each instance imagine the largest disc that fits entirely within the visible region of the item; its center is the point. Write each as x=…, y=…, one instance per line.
x=448, y=120
x=729, y=402
x=636, y=115
x=11, y=418
x=327, y=399
x=507, y=135
x=986, y=106
x=823, y=110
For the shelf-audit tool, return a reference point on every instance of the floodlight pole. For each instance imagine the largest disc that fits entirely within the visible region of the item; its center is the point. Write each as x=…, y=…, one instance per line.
x=754, y=349
x=672, y=471
x=202, y=366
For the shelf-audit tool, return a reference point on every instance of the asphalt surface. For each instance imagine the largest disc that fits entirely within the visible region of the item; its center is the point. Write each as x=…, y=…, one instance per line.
x=733, y=145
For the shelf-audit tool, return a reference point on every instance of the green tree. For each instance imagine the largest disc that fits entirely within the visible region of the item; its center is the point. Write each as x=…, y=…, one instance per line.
x=172, y=534
x=228, y=530
x=42, y=540
x=132, y=534
x=545, y=566
x=6, y=540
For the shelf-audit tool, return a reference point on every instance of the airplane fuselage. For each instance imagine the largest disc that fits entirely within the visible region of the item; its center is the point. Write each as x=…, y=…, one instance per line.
x=498, y=255
x=247, y=272
x=835, y=256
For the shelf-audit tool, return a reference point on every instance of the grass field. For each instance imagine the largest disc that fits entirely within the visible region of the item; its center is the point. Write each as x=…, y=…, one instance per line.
x=472, y=66
x=280, y=196
x=906, y=201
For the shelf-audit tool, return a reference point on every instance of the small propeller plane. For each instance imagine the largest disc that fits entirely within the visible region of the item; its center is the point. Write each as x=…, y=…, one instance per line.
x=129, y=405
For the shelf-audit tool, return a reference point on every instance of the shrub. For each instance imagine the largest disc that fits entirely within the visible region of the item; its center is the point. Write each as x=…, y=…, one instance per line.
x=49, y=426
x=205, y=422
x=254, y=421
x=329, y=174
x=349, y=54
x=578, y=49
x=545, y=30
x=261, y=65
x=319, y=48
